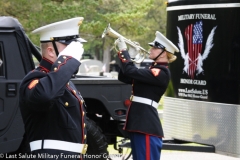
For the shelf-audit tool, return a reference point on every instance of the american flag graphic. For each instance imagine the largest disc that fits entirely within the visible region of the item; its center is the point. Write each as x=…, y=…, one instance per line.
x=194, y=36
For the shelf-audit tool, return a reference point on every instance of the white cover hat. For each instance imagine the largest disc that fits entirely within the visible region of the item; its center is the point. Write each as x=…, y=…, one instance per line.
x=162, y=42
x=63, y=31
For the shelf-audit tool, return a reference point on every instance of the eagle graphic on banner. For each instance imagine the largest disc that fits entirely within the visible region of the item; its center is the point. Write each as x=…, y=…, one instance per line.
x=193, y=59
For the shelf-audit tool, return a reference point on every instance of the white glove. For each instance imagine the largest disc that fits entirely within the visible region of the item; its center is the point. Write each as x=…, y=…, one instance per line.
x=133, y=51
x=74, y=49
x=121, y=44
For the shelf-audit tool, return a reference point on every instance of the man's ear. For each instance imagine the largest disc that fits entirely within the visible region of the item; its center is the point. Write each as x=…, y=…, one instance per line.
x=51, y=52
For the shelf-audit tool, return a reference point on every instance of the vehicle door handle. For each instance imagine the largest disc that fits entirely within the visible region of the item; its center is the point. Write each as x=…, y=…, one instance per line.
x=11, y=89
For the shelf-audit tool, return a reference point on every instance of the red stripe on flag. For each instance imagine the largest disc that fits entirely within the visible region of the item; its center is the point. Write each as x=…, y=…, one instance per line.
x=191, y=52
x=188, y=35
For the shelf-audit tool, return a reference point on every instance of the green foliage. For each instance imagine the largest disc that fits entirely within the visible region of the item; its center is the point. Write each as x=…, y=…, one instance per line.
x=136, y=20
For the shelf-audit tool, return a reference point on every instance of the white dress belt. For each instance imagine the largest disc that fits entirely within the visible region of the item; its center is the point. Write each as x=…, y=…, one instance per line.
x=59, y=145
x=144, y=100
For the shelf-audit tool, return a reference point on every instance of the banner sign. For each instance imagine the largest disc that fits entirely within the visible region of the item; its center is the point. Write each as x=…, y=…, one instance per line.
x=208, y=64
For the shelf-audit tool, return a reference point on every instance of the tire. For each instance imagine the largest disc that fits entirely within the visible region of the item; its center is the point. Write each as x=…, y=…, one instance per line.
x=97, y=142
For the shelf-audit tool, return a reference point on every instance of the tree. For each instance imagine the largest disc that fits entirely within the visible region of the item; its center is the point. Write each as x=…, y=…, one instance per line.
x=136, y=20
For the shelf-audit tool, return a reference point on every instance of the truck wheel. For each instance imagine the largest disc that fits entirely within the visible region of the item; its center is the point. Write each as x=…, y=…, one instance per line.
x=97, y=142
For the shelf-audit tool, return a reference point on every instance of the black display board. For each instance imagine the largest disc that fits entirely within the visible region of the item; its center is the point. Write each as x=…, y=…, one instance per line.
x=208, y=36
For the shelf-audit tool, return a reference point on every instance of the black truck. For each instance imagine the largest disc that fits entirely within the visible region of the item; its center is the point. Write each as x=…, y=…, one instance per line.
x=104, y=97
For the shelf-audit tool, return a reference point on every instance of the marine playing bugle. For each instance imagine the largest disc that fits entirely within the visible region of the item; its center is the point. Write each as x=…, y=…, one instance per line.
x=141, y=51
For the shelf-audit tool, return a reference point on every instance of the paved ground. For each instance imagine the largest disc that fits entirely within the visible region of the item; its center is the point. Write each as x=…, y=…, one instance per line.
x=176, y=155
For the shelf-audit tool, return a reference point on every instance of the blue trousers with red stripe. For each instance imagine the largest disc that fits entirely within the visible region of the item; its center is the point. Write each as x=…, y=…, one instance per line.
x=145, y=147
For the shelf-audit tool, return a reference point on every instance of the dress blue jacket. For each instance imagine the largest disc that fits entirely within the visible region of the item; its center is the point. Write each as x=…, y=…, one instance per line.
x=51, y=106
x=150, y=83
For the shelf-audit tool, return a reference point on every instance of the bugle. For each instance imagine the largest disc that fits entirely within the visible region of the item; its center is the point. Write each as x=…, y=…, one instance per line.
x=141, y=51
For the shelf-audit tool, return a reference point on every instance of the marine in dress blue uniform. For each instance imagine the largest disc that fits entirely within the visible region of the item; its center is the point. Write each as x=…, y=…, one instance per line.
x=148, y=86
x=52, y=108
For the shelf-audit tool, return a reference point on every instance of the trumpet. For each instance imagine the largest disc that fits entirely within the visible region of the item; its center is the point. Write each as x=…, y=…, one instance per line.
x=141, y=53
